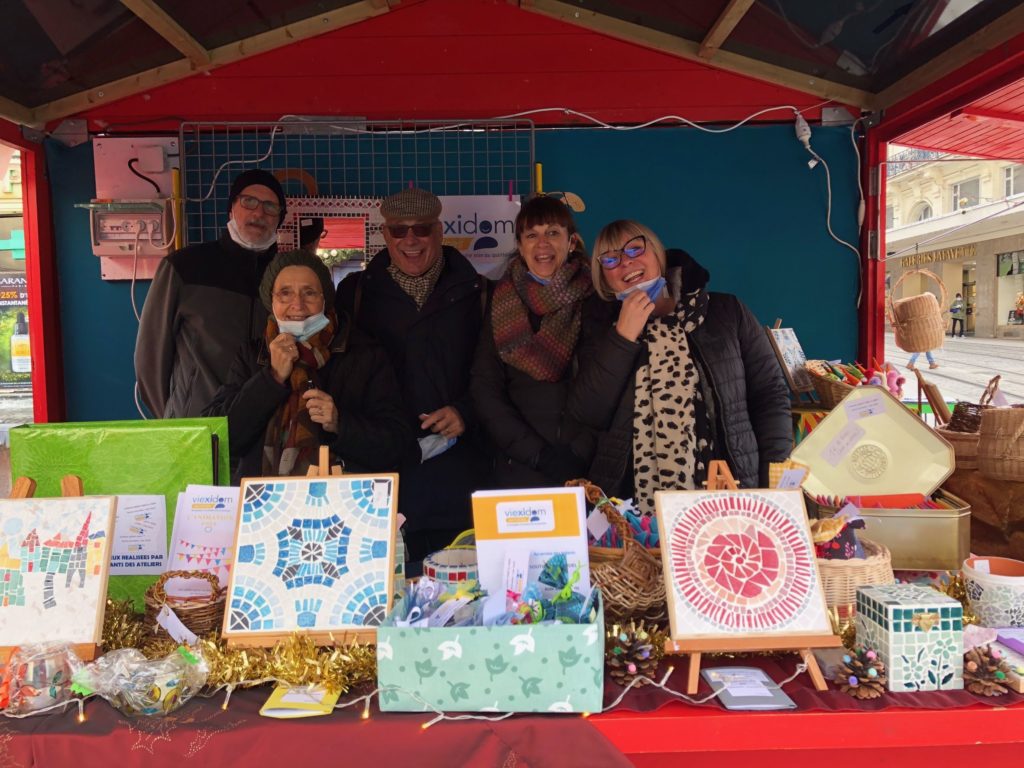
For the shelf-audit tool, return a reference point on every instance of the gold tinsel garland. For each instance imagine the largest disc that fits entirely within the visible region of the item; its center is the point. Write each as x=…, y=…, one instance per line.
x=957, y=589
x=295, y=661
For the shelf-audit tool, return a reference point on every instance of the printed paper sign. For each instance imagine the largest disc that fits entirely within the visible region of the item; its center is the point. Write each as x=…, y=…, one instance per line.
x=843, y=443
x=865, y=406
x=537, y=523
x=482, y=227
x=203, y=537
x=140, y=536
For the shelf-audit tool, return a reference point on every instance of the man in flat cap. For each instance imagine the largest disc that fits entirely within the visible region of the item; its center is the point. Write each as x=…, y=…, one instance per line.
x=422, y=301
x=203, y=303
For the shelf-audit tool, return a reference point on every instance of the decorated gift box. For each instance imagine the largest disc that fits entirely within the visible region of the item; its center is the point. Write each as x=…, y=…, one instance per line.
x=917, y=632
x=521, y=668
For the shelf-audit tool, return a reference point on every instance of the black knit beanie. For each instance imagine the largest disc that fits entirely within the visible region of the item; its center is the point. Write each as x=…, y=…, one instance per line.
x=264, y=178
x=297, y=259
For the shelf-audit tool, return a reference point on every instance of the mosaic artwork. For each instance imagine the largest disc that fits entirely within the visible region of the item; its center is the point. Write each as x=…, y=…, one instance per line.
x=917, y=632
x=739, y=563
x=54, y=559
x=313, y=554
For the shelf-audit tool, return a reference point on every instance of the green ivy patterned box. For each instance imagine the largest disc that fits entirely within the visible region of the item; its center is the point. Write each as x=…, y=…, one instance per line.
x=917, y=632
x=524, y=668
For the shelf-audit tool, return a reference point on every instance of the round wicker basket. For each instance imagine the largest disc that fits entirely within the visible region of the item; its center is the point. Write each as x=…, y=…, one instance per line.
x=965, y=446
x=917, y=321
x=842, y=577
x=202, y=614
x=1001, y=444
x=630, y=578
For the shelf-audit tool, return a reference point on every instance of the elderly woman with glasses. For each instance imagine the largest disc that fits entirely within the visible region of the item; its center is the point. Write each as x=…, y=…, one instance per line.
x=673, y=376
x=310, y=381
x=527, y=353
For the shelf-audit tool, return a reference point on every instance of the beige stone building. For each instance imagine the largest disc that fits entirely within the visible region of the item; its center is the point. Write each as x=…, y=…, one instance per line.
x=963, y=219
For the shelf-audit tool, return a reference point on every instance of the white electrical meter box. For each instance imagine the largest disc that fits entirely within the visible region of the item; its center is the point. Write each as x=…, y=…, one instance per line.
x=131, y=236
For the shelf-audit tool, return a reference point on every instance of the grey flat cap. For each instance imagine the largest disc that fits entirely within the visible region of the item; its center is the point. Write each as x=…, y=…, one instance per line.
x=411, y=203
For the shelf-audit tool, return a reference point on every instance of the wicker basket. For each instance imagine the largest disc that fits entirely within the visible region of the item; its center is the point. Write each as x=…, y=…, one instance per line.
x=967, y=416
x=202, y=614
x=1001, y=444
x=965, y=446
x=830, y=391
x=630, y=578
x=842, y=577
x=917, y=321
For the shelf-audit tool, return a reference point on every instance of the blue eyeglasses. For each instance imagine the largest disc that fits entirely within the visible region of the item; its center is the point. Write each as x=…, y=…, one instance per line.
x=633, y=249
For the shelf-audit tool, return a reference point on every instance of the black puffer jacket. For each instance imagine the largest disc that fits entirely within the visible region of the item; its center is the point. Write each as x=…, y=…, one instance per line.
x=748, y=401
x=431, y=349
x=372, y=431
x=523, y=416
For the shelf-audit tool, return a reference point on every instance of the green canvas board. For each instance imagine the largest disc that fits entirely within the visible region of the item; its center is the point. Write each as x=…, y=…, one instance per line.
x=524, y=668
x=122, y=457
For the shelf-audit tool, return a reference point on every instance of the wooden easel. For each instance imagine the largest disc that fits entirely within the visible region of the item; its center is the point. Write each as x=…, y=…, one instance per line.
x=720, y=478
x=70, y=486
x=323, y=468
x=935, y=400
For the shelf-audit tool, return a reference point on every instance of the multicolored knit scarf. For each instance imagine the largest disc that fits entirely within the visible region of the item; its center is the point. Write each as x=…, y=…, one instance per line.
x=292, y=440
x=545, y=354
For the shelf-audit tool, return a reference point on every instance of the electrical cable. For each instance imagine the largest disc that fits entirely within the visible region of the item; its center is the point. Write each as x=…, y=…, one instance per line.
x=273, y=133
x=131, y=167
x=168, y=242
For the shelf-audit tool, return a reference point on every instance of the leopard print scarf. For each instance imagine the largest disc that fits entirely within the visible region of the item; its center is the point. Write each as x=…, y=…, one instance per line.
x=671, y=430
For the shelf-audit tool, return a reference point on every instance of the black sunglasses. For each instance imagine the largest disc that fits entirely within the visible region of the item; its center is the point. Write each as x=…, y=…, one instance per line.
x=398, y=231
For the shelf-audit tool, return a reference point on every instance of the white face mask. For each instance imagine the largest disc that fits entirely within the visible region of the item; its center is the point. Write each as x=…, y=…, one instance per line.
x=237, y=236
x=303, y=329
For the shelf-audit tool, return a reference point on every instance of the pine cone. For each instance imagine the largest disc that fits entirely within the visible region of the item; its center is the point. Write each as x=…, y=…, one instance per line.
x=861, y=674
x=985, y=671
x=633, y=651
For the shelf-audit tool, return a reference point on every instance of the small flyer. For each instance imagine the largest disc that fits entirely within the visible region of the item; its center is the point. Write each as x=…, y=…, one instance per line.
x=140, y=536
x=203, y=537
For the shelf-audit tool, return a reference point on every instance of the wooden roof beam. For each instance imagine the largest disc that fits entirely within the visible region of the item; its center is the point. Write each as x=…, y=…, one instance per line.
x=688, y=49
x=723, y=27
x=160, y=22
x=16, y=113
x=226, y=54
x=993, y=34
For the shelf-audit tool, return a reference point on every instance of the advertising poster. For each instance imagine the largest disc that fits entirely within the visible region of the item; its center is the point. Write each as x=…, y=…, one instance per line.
x=482, y=228
x=15, y=355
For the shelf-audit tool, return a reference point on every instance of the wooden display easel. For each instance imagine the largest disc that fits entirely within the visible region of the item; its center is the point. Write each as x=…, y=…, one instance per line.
x=323, y=467
x=720, y=479
x=70, y=486
x=931, y=392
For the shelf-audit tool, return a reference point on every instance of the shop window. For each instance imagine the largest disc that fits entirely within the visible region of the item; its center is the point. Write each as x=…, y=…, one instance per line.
x=966, y=194
x=922, y=212
x=1013, y=180
x=1010, y=287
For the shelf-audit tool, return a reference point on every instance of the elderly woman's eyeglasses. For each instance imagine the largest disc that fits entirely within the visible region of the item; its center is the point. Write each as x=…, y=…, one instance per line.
x=399, y=231
x=633, y=249
x=307, y=296
x=251, y=203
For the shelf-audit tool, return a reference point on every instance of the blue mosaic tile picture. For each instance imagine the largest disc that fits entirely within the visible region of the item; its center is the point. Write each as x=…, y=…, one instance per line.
x=313, y=553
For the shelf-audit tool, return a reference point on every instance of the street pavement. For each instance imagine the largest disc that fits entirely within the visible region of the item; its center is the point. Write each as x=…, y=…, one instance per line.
x=965, y=366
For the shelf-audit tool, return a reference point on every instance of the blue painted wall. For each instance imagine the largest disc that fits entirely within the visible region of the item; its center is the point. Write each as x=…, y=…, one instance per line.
x=743, y=203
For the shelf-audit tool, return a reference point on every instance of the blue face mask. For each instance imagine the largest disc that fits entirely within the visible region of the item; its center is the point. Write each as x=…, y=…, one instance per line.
x=652, y=288
x=303, y=329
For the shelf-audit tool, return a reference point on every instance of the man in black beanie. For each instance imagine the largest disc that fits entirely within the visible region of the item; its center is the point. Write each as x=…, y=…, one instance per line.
x=203, y=303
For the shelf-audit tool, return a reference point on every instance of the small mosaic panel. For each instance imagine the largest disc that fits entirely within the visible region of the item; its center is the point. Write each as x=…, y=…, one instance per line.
x=917, y=632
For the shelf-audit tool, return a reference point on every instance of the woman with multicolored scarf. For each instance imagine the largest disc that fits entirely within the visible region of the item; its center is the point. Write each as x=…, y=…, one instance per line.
x=310, y=381
x=673, y=376
x=527, y=353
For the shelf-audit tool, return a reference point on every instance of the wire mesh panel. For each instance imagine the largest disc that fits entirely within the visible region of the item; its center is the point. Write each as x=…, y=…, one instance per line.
x=352, y=159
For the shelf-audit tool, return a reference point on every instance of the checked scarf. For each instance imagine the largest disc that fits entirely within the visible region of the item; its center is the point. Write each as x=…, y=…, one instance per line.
x=292, y=439
x=544, y=355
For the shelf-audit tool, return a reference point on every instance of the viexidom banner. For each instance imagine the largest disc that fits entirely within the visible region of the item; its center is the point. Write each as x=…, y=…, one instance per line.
x=482, y=228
